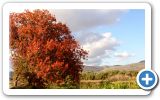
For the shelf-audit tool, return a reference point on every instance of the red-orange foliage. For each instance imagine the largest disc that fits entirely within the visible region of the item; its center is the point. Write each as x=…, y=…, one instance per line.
x=47, y=45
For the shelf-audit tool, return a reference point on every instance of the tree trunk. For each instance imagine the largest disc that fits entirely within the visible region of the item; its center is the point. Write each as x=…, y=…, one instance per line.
x=16, y=80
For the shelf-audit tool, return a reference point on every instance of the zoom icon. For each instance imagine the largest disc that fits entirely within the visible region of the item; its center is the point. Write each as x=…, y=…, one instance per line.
x=147, y=79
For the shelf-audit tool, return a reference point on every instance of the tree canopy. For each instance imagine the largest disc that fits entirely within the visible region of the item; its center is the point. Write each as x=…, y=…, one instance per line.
x=47, y=47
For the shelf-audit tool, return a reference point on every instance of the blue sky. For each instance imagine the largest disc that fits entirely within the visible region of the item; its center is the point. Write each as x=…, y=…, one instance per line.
x=130, y=31
x=112, y=37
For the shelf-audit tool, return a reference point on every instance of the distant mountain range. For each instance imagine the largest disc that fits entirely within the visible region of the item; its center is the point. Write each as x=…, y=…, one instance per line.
x=134, y=66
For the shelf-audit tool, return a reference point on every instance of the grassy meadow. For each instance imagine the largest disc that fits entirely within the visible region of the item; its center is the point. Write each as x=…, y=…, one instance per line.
x=113, y=79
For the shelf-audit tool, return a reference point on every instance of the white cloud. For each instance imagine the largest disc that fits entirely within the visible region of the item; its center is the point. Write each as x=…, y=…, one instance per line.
x=123, y=55
x=99, y=47
x=79, y=20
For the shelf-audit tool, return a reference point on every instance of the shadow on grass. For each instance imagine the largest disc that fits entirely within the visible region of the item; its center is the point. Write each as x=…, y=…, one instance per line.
x=26, y=87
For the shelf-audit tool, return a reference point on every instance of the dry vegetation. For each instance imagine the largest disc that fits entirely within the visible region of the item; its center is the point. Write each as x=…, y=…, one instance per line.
x=109, y=80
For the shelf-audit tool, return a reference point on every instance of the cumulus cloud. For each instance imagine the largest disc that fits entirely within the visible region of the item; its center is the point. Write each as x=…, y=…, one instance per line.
x=80, y=19
x=99, y=47
x=123, y=55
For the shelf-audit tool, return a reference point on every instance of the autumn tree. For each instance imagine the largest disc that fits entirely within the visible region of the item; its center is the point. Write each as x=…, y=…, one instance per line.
x=47, y=47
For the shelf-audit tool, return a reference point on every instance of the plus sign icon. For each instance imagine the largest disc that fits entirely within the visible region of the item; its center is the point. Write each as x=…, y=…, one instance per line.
x=147, y=79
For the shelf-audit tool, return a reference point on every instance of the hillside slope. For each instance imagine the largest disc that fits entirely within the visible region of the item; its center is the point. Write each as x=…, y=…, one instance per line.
x=133, y=67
